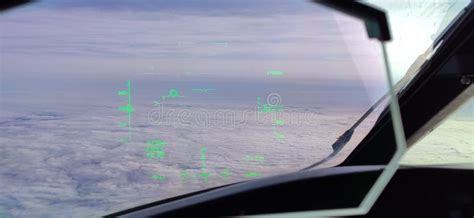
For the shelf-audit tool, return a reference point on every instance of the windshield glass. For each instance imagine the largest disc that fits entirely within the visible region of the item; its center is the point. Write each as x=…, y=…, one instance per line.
x=450, y=144
x=107, y=105
x=415, y=25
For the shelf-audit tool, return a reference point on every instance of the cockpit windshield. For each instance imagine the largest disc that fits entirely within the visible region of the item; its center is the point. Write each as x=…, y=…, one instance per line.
x=107, y=105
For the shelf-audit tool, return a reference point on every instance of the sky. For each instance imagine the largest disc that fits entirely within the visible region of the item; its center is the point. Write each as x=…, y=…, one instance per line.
x=97, y=39
x=89, y=39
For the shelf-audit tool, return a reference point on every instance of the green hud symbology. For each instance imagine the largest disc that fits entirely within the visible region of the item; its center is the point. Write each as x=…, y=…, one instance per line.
x=184, y=174
x=268, y=108
x=279, y=136
x=204, y=174
x=203, y=158
x=158, y=177
x=128, y=109
x=172, y=93
x=203, y=90
x=274, y=73
x=279, y=122
x=257, y=158
x=225, y=173
x=155, y=149
x=252, y=174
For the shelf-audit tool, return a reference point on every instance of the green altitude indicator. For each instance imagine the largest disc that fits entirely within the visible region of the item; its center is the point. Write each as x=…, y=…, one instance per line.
x=128, y=109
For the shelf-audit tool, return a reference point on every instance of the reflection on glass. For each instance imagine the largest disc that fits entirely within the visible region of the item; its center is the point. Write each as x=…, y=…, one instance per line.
x=415, y=25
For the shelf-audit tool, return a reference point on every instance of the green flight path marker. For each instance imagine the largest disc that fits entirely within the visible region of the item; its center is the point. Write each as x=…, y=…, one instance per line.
x=172, y=93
